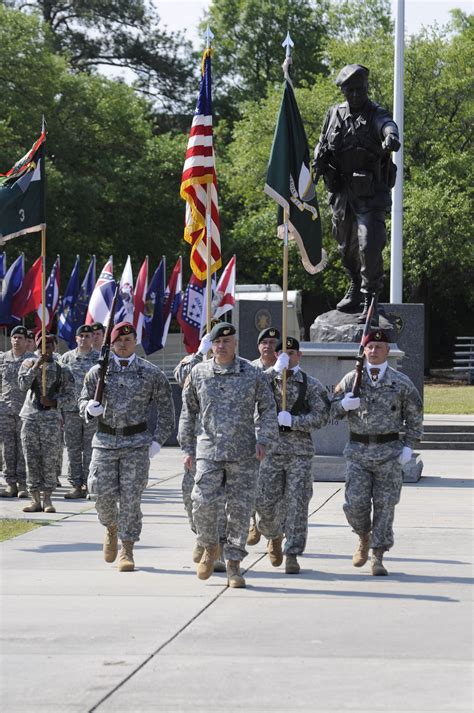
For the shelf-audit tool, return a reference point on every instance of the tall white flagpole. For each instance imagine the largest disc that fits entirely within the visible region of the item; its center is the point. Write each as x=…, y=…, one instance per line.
x=396, y=260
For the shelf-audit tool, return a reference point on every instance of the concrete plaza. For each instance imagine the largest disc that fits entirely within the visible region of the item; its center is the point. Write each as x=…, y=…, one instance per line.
x=77, y=636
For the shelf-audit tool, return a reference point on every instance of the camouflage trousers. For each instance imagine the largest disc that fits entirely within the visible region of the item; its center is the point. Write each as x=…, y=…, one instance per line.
x=118, y=477
x=78, y=441
x=374, y=480
x=187, y=485
x=14, y=461
x=285, y=487
x=234, y=482
x=42, y=448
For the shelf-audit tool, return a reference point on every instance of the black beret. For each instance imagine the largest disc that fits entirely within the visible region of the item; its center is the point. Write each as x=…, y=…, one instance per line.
x=96, y=326
x=350, y=71
x=30, y=334
x=269, y=333
x=84, y=329
x=222, y=329
x=19, y=330
x=291, y=343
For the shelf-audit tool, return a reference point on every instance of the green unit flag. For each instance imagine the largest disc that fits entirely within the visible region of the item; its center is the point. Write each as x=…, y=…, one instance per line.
x=289, y=183
x=22, y=195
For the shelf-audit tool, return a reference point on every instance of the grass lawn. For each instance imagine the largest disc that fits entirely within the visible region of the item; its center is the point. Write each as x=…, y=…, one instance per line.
x=449, y=398
x=12, y=528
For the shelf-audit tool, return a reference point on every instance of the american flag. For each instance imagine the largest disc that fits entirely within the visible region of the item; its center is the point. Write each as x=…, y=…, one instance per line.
x=199, y=171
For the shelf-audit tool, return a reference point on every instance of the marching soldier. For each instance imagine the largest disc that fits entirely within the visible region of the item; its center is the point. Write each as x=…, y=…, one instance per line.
x=181, y=372
x=30, y=341
x=77, y=433
x=98, y=334
x=223, y=393
x=267, y=342
x=41, y=422
x=285, y=483
x=12, y=399
x=376, y=452
x=122, y=445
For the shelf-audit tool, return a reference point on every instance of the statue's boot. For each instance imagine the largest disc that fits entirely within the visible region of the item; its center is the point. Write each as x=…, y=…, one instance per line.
x=352, y=299
x=362, y=318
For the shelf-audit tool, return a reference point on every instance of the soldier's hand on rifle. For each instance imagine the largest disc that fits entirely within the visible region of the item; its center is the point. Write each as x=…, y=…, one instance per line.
x=391, y=143
x=154, y=449
x=205, y=345
x=350, y=402
x=94, y=408
x=282, y=362
x=284, y=419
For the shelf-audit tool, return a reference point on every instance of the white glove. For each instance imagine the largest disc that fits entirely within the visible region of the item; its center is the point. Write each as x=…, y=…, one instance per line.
x=94, y=408
x=154, y=449
x=405, y=455
x=350, y=402
x=284, y=418
x=282, y=362
x=204, y=345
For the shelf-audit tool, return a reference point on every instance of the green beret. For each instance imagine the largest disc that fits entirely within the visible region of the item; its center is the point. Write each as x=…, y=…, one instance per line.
x=291, y=343
x=84, y=329
x=221, y=329
x=269, y=333
x=350, y=71
x=19, y=330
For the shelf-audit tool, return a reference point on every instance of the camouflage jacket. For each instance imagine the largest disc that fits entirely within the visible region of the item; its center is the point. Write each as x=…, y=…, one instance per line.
x=386, y=407
x=11, y=396
x=59, y=386
x=298, y=441
x=79, y=364
x=128, y=395
x=224, y=399
x=184, y=367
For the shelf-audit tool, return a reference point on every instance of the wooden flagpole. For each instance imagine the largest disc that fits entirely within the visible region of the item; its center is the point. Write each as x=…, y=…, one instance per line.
x=43, y=307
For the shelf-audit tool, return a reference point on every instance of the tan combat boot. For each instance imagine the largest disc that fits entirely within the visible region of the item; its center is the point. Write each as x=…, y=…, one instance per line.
x=110, y=548
x=22, y=491
x=254, y=535
x=361, y=555
x=206, y=566
x=11, y=491
x=75, y=493
x=275, y=552
x=126, y=562
x=234, y=578
x=47, y=504
x=198, y=552
x=35, y=505
x=378, y=570
x=219, y=564
x=291, y=565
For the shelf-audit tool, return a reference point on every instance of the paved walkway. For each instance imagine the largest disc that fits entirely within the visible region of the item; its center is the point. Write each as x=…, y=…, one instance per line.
x=77, y=636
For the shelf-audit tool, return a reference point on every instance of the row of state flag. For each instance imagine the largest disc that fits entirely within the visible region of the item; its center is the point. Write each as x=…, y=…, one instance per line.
x=149, y=306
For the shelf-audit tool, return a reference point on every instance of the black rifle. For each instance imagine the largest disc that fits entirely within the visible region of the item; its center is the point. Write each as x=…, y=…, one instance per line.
x=359, y=367
x=105, y=350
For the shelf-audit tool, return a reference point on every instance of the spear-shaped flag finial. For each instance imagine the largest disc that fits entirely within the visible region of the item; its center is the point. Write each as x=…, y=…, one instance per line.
x=209, y=35
x=288, y=44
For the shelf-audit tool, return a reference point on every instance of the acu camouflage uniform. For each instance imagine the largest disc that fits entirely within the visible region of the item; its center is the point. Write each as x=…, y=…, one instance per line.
x=77, y=433
x=285, y=483
x=11, y=401
x=373, y=473
x=120, y=463
x=41, y=426
x=224, y=399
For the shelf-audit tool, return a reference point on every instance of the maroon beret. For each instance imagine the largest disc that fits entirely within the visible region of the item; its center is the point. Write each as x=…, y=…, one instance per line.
x=377, y=335
x=49, y=338
x=120, y=329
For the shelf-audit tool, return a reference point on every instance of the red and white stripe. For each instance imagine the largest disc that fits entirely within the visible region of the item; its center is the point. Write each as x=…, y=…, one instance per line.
x=139, y=300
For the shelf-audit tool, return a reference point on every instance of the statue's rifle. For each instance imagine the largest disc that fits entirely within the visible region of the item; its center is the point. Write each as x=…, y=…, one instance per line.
x=105, y=349
x=359, y=367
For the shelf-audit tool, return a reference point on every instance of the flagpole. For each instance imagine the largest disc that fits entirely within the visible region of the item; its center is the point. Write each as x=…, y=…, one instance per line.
x=209, y=37
x=288, y=44
x=43, y=310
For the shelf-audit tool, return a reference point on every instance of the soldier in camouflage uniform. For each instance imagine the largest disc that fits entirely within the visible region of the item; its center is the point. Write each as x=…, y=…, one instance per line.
x=285, y=483
x=41, y=422
x=223, y=393
x=77, y=433
x=30, y=341
x=98, y=334
x=375, y=453
x=181, y=372
x=122, y=445
x=267, y=342
x=12, y=399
